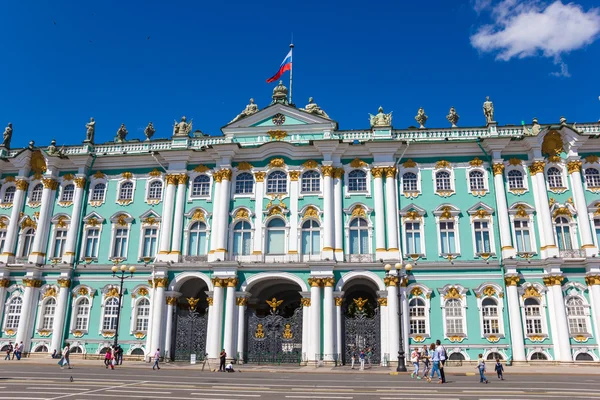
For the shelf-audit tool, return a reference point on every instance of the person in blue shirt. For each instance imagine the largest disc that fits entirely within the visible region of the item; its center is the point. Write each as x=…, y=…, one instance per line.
x=435, y=360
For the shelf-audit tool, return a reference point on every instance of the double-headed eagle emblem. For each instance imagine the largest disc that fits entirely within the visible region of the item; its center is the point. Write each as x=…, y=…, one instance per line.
x=274, y=303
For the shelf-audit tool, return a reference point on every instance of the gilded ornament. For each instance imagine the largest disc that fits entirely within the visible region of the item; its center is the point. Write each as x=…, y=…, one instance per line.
x=242, y=213
x=259, y=334
x=231, y=282
x=294, y=175
x=521, y=212
x=498, y=168
x=409, y=164
x=382, y=301
x=142, y=291
x=259, y=176
x=358, y=163
x=329, y=281
x=276, y=163
x=338, y=301
x=161, y=282
x=99, y=175
x=150, y=221
x=580, y=338
x=562, y=211
x=155, y=173
x=4, y=283
x=418, y=339
x=446, y=212
x=241, y=301
x=108, y=334
x=574, y=166
x=489, y=291
x=554, y=159
x=274, y=303
x=9, y=179
x=455, y=339
x=28, y=223
x=61, y=222
x=276, y=210
x=45, y=332
x=68, y=177
x=552, y=144
x=311, y=212
x=338, y=173
x=305, y=301
x=310, y=164
x=122, y=220
x=416, y=291
x=92, y=222
x=22, y=184
x=198, y=215
x=80, y=182
x=172, y=179
x=218, y=282
x=391, y=280
x=78, y=334
x=10, y=332
x=83, y=291
x=412, y=215
x=3, y=222
x=442, y=164
x=50, y=292
x=192, y=302
x=512, y=280
x=476, y=162
x=201, y=168
x=315, y=282
x=591, y=159
x=493, y=339
x=481, y=214
x=327, y=170
x=592, y=280
x=377, y=172
x=112, y=292
x=287, y=332
x=277, y=134
x=537, y=167
x=50, y=183
x=37, y=162
x=390, y=172
x=553, y=280
x=536, y=338
x=358, y=211
x=29, y=282
x=360, y=303
x=127, y=175
x=139, y=335
x=452, y=293
x=171, y=301
x=226, y=174
x=531, y=291
x=515, y=161
x=244, y=166
x=210, y=301
x=182, y=179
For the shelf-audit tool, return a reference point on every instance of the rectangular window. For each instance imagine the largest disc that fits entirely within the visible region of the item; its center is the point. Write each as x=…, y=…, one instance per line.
x=150, y=239
x=275, y=241
x=82, y=317
x=59, y=243
x=241, y=243
x=522, y=236
x=2, y=241
x=482, y=237
x=447, y=238
x=120, y=245
x=91, y=243
x=413, y=237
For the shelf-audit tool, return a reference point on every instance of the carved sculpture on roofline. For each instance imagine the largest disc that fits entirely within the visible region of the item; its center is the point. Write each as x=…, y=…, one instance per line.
x=90, y=131
x=280, y=94
x=313, y=108
x=381, y=119
x=488, y=110
x=182, y=128
x=8, y=131
x=249, y=110
x=534, y=130
x=452, y=117
x=421, y=118
x=121, y=134
x=149, y=131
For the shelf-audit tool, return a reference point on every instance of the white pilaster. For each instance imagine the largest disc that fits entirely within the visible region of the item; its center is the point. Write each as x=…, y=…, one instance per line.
x=549, y=248
x=60, y=314
x=73, y=232
x=393, y=320
x=583, y=222
x=380, y=249
x=258, y=212
x=24, y=331
x=4, y=283
x=40, y=241
x=230, y=320
x=178, y=217
x=338, y=174
x=554, y=283
x=157, y=314
x=315, y=319
x=328, y=214
x=214, y=227
x=293, y=216
x=405, y=321
x=593, y=281
x=385, y=327
x=514, y=314
x=503, y=221
x=215, y=322
x=223, y=205
x=306, y=345
x=339, y=346
x=328, y=321
x=241, y=331
x=164, y=249
x=13, y=225
x=171, y=300
x=391, y=213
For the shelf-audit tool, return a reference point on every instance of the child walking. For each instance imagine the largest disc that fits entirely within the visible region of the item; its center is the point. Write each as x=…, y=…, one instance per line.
x=414, y=358
x=481, y=367
x=499, y=369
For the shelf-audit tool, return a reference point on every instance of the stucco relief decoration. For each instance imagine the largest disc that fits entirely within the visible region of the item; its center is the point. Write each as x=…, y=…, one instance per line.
x=112, y=292
x=360, y=303
x=244, y=166
x=92, y=222
x=151, y=220
x=581, y=338
x=358, y=163
x=481, y=214
x=78, y=334
x=62, y=221
x=446, y=213
x=574, y=166
x=489, y=291
x=521, y=211
x=3, y=222
x=259, y=176
x=44, y=332
x=537, y=167
x=358, y=212
x=476, y=162
x=452, y=293
x=591, y=159
x=377, y=172
x=552, y=144
x=382, y=301
x=311, y=212
x=277, y=163
x=493, y=339
x=277, y=134
x=409, y=164
x=327, y=170
x=416, y=291
x=418, y=339
x=127, y=175
x=37, y=164
x=310, y=164
x=442, y=164
x=142, y=291
x=242, y=213
x=28, y=223
x=50, y=292
x=99, y=175
x=275, y=210
x=155, y=173
x=201, y=168
x=9, y=179
x=294, y=175
x=412, y=215
x=531, y=291
x=456, y=339
x=198, y=216
x=515, y=162
x=122, y=220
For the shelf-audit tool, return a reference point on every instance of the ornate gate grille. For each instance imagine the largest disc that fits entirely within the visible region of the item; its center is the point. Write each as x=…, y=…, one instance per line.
x=362, y=332
x=274, y=339
x=190, y=335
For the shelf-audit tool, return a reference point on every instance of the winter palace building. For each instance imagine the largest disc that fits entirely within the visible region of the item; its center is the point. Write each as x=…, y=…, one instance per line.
x=287, y=240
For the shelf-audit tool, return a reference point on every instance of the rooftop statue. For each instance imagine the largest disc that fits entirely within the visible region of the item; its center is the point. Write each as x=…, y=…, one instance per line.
x=380, y=119
x=421, y=118
x=90, y=131
x=121, y=134
x=452, y=117
x=149, y=131
x=8, y=131
x=280, y=94
x=313, y=108
x=534, y=130
x=52, y=150
x=249, y=110
x=488, y=110
x=182, y=128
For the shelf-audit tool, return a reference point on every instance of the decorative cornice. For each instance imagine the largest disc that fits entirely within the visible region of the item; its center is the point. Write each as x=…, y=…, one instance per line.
x=537, y=167
x=512, y=280
x=574, y=166
x=327, y=170
x=244, y=166
x=552, y=280
x=80, y=182
x=310, y=164
x=294, y=175
x=29, y=282
x=476, y=162
x=161, y=282
x=498, y=168
x=592, y=280
x=259, y=176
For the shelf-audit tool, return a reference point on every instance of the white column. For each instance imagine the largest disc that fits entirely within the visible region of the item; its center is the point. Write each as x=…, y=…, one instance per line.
x=315, y=319
x=293, y=216
x=514, y=314
x=392, y=310
x=13, y=225
x=328, y=214
x=224, y=212
x=73, y=232
x=214, y=227
x=241, y=331
x=171, y=301
x=167, y=222
x=60, y=314
x=40, y=241
x=593, y=281
x=306, y=345
x=385, y=329
x=230, y=319
x=554, y=283
x=537, y=171
x=583, y=222
x=258, y=213
x=4, y=283
x=339, y=346
x=328, y=320
x=405, y=320
x=215, y=323
x=178, y=218
x=391, y=205
x=27, y=317
x=502, y=212
x=157, y=313
x=339, y=214
x=380, y=248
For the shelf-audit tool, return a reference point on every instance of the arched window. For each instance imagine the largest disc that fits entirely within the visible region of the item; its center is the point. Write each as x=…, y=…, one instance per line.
x=244, y=183
x=126, y=191
x=155, y=190
x=409, y=182
x=576, y=316
x=98, y=192
x=150, y=241
x=538, y=356
x=563, y=233
x=41, y=349
x=515, y=179
x=242, y=239
x=104, y=350
x=311, y=182
x=359, y=236
x=416, y=311
x=9, y=194
x=197, y=245
x=111, y=309
x=454, y=317
x=456, y=357
x=311, y=238
x=82, y=314
x=201, y=186
x=75, y=350
x=554, y=178
x=489, y=314
x=476, y=181
x=142, y=314
x=357, y=181
x=28, y=236
x=36, y=193
x=277, y=182
x=584, y=357
x=137, y=352
x=276, y=236
x=67, y=193
x=442, y=181
x=533, y=316
x=14, y=313
x=48, y=313
x=493, y=355
x=120, y=244
x=592, y=177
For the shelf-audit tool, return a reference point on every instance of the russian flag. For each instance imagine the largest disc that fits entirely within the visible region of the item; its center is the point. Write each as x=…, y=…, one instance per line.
x=286, y=65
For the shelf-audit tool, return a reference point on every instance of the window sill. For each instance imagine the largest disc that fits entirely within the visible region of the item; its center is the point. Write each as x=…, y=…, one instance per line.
x=419, y=337
x=537, y=337
x=493, y=337
x=44, y=332
x=526, y=254
x=450, y=256
x=79, y=332
x=485, y=256
x=581, y=337
x=6, y=205
x=411, y=194
x=89, y=260
x=108, y=333
x=456, y=337
x=415, y=256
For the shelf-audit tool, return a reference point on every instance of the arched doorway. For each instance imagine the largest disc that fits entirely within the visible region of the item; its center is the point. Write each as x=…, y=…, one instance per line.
x=191, y=322
x=361, y=321
x=274, y=322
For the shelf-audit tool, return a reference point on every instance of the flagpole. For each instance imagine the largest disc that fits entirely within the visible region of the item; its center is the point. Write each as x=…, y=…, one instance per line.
x=291, y=68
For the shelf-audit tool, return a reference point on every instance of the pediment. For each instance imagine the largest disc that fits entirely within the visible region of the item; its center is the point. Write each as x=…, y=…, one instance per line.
x=294, y=121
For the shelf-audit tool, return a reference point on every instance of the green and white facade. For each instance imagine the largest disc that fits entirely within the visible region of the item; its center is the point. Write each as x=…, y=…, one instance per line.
x=501, y=225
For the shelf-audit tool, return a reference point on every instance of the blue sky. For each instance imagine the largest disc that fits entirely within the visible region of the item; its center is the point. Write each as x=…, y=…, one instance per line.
x=66, y=61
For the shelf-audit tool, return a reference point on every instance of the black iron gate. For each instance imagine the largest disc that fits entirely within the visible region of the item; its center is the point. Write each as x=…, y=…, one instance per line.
x=362, y=332
x=190, y=335
x=274, y=339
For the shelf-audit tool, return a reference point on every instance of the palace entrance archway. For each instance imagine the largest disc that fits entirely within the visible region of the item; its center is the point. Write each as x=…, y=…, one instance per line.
x=191, y=321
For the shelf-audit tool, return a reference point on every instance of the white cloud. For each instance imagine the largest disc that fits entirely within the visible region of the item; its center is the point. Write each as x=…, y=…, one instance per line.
x=529, y=28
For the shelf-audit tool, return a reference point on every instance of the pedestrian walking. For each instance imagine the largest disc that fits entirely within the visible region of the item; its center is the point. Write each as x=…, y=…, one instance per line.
x=443, y=356
x=353, y=357
x=113, y=359
x=362, y=357
x=107, y=357
x=222, y=358
x=65, y=357
x=426, y=360
x=481, y=368
x=435, y=361
x=414, y=358
x=119, y=355
x=156, y=359
x=499, y=369
x=9, y=349
x=369, y=355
